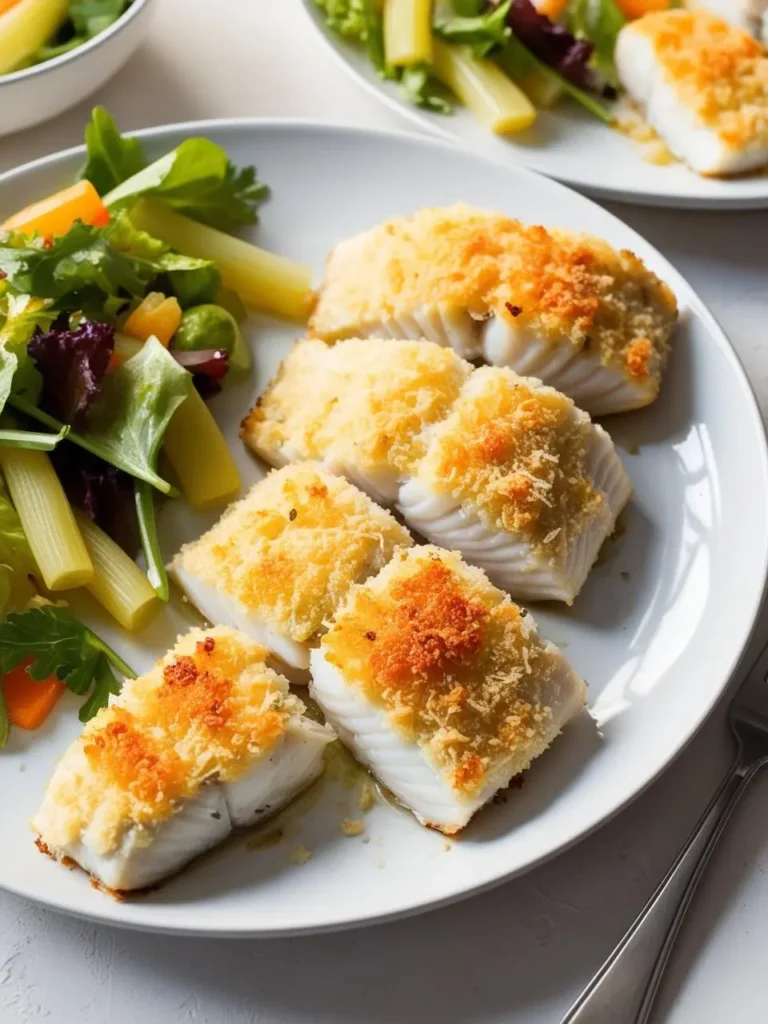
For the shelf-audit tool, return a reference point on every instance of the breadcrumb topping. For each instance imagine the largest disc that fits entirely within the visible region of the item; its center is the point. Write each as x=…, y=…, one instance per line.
x=290, y=550
x=458, y=666
x=719, y=72
x=363, y=402
x=563, y=286
x=517, y=451
x=210, y=709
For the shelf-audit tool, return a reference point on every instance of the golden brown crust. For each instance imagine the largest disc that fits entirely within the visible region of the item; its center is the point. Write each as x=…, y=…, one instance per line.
x=210, y=709
x=363, y=402
x=517, y=452
x=560, y=285
x=719, y=72
x=290, y=550
x=458, y=667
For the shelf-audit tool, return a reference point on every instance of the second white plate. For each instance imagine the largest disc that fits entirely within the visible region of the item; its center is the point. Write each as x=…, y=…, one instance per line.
x=566, y=143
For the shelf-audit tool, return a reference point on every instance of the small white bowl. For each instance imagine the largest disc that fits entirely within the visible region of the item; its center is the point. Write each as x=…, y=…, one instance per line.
x=41, y=92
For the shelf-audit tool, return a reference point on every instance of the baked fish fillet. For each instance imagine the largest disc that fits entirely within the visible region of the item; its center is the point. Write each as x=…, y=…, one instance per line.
x=358, y=408
x=591, y=321
x=749, y=15
x=208, y=740
x=702, y=84
x=440, y=685
x=521, y=482
x=280, y=561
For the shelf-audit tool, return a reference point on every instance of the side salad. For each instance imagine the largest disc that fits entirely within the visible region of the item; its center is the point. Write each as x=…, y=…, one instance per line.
x=34, y=31
x=121, y=300
x=502, y=59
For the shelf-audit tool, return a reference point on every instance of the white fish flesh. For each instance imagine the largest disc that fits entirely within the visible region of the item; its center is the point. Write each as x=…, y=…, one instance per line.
x=209, y=740
x=446, y=752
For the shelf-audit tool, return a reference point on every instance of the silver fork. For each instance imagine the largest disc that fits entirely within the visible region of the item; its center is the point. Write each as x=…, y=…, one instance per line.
x=624, y=989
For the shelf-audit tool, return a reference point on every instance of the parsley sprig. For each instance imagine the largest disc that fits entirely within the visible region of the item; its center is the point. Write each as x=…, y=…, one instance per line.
x=63, y=647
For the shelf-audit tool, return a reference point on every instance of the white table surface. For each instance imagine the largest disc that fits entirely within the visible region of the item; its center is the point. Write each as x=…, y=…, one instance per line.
x=517, y=955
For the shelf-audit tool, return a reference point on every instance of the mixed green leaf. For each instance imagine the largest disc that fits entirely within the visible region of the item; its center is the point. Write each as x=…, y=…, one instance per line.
x=196, y=179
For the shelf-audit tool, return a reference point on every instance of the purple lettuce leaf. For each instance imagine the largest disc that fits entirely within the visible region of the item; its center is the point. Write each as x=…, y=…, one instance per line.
x=553, y=44
x=72, y=364
x=100, y=491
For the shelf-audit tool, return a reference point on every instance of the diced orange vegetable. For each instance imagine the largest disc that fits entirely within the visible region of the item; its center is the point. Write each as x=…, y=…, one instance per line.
x=638, y=8
x=552, y=8
x=56, y=214
x=28, y=702
x=6, y=5
x=155, y=315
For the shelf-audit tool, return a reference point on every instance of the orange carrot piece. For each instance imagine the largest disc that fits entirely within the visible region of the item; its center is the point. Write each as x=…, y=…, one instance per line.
x=552, y=8
x=155, y=315
x=28, y=702
x=6, y=5
x=56, y=214
x=637, y=8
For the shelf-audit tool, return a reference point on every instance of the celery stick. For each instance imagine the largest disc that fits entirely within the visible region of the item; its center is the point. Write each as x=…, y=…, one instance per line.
x=200, y=456
x=118, y=583
x=262, y=279
x=407, y=32
x=483, y=87
x=48, y=522
x=25, y=28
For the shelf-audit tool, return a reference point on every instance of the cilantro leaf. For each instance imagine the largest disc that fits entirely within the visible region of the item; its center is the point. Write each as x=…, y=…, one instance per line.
x=198, y=180
x=75, y=271
x=63, y=647
x=111, y=158
x=193, y=281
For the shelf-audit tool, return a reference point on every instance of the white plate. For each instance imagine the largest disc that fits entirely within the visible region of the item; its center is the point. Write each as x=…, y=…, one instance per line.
x=657, y=649
x=566, y=143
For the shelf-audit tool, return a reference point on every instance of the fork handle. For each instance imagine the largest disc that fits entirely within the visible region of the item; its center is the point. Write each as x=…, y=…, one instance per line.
x=624, y=989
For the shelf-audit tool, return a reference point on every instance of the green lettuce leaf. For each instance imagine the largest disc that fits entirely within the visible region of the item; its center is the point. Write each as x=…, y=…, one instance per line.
x=20, y=316
x=599, y=22
x=198, y=180
x=127, y=423
x=110, y=157
x=17, y=563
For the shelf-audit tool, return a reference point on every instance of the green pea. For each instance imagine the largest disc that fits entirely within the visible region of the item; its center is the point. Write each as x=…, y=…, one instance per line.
x=210, y=326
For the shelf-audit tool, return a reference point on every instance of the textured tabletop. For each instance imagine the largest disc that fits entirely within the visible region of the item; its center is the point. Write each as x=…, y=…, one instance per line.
x=517, y=955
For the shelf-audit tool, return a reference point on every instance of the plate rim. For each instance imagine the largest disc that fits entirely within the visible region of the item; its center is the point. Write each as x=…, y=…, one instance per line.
x=204, y=927
x=338, y=47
